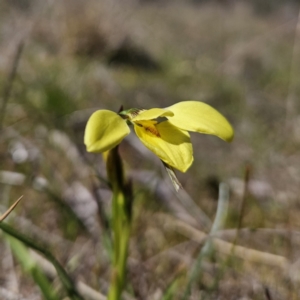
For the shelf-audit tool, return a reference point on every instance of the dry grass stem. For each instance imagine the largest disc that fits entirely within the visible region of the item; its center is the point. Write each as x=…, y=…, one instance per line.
x=5, y=215
x=247, y=254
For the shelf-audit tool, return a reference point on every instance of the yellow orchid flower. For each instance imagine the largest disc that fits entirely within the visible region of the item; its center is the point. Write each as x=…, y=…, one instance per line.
x=164, y=131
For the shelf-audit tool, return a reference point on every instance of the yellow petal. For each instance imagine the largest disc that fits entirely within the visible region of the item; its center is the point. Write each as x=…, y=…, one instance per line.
x=104, y=130
x=170, y=144
x=151, y=114
x=200, y=117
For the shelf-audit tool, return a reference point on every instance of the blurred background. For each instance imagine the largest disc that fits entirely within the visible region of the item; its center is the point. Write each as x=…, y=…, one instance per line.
x=62, y=60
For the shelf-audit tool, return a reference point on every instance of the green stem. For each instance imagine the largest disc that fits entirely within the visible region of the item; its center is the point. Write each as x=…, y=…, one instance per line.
x=121, y=218
x=121, y=222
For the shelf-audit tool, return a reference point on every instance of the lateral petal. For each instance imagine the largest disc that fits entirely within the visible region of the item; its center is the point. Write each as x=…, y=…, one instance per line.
x=200, y=117
x=104, y=130
x=151, y=114
x=170, y=144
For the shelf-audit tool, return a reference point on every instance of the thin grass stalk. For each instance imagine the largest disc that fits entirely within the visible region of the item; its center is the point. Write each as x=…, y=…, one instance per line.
x=243, y=201
x=172, y=288
x=207, y=249
x=12, y=207
x=10, y=80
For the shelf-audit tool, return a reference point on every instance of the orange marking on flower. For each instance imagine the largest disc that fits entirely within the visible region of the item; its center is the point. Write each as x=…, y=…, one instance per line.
x=153, y=130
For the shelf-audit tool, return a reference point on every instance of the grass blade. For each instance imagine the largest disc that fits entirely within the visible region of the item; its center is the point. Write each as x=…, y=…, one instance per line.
x=30, y=266
x=65, y=278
